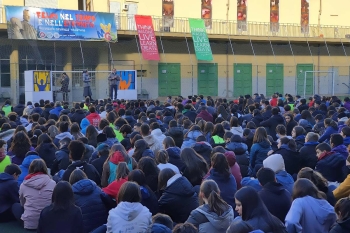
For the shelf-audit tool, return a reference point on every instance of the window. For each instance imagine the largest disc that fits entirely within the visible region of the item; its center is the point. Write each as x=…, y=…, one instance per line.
x=5, y=73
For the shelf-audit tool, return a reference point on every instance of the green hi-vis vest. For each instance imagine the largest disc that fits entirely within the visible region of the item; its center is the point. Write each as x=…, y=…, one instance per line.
x=291, y=107
x=218, y=140
x=7, y=109
x=6, y=161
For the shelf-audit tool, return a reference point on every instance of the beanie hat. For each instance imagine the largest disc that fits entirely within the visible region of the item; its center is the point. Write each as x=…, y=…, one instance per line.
x=274, y=162
x=230, y=157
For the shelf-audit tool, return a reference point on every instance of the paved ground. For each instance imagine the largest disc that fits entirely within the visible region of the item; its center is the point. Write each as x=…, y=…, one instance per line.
x=12, y=227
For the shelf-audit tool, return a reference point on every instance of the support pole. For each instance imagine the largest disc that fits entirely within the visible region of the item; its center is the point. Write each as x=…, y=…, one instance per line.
x=138, y=49
x=82, y=54
x=189, y=52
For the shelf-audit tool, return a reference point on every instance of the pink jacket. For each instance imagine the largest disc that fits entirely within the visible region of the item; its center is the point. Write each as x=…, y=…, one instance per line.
x=35, y=194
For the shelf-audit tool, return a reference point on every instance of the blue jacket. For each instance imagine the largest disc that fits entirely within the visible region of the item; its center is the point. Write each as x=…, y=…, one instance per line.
x=159, y=228
x=87, y=196
x=8, y=192
x=56, y=111
x=330, y=166
x=175, y=159
x=25, y=167
x=227, y=186
x=341, y=149
x=38, y=110
x=346, y=141
x=307, y=210
x=282, y=177
x=327, y=134
x=190, y=140
x=258, y=153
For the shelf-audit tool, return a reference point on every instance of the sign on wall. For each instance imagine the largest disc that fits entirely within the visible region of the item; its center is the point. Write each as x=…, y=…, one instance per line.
x=168, y=13
x=207, y=13
x=42, y=81
x=304, y=21
x=274, y=15
x=147, y=37
x=127, y=81
x=242, y=15
x=200, y=40
x=58, y=24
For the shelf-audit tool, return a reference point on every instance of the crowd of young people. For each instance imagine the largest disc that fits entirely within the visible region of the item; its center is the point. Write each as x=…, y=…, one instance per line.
x=195, y=164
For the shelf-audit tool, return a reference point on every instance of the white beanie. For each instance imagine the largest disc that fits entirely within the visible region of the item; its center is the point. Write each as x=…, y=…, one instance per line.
x=274, y=162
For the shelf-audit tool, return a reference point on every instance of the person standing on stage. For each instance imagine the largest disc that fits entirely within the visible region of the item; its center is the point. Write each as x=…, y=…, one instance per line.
x=65, y=85
x=114, y=80
x=87, y=83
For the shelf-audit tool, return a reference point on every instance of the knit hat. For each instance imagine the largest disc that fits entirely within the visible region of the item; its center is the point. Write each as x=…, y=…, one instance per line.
x=102, y=146
x=230, y=157
x=101, y=137
x=274, y=162
x=236, y=138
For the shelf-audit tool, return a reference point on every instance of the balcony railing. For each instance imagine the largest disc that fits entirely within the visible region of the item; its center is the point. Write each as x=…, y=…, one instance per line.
x=223, y=27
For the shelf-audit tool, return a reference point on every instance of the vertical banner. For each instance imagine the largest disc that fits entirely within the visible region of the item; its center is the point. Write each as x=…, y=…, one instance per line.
x=274, y=15
x=147, y=37
x=304, y=21
x=200, y=40
x=207, y=13
x=168, y=13
x=242, y=15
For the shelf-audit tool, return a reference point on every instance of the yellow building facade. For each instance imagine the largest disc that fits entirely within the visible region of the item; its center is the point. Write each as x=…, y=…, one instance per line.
x=245, y=61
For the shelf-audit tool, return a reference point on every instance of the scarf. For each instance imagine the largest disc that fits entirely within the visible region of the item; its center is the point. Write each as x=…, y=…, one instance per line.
x=32, y=175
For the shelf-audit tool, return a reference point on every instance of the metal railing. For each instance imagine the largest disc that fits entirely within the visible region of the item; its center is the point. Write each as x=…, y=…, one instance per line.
x=223, y=27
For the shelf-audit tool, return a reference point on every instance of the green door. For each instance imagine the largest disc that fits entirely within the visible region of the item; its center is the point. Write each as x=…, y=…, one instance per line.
x=208, y=79
x=274, y=79
x=301, y=68
x=242, y=79
x=169, y=79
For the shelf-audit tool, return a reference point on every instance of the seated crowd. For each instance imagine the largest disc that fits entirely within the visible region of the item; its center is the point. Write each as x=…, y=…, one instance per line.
x=188, y=165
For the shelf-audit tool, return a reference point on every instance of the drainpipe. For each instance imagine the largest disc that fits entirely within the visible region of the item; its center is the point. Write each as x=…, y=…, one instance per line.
x=227, y=66
x=318, y=68
x=319, y=18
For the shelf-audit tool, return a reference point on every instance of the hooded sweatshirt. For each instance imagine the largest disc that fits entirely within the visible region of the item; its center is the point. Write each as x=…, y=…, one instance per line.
x=158, y=135
x=235, y=169
x=190, y=140
x=8, y=192
x=153, y=143
x=35, y=194
x=341, y=149
x=237, y=131
x=258, y=152
x=83, y=125
x=208, y=222
x=25, y=167
x=308, y=214
x=127, y=216
x=61, y=136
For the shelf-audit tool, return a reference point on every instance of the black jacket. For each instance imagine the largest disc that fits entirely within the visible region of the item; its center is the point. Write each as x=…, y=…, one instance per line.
x=178, y=199
x=204, y=149
x=89, y=170
x=242, y=156
x=8, y=192
x=257, y=119
x=331, y=167
x=271, y=124
x=290, y=127
x=46, y=112
x=341, y=226
x=276, y=198
x=291, y=159
x=61, y=161
x=19, y=109
x=47, y=152
x=68, y=221
x=177, y=134
x=78, y=116
x=126, y=143
x=307, y=155
x=98, y=163
x=191, y=115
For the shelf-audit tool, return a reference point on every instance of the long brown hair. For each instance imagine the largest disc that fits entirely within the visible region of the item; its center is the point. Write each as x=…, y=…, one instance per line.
x=304, y=187
x=211, y=192
x=20, y=144
x=260, y=135
x=122, y=171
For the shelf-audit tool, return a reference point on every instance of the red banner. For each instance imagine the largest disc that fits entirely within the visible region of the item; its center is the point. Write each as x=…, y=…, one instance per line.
x=147, y=38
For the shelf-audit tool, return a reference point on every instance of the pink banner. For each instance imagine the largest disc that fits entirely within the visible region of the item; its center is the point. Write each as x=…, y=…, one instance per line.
x=147, y=37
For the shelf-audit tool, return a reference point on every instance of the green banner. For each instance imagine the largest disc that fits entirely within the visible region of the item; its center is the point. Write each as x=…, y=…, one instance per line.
x=200, y=40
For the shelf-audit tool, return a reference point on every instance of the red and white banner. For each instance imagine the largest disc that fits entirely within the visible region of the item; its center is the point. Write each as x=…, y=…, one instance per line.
x=147, y=37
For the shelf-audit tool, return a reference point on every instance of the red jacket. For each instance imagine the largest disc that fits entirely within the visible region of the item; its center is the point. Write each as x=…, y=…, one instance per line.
x=273, y=102
x=235, y=169
x=206, y=116
x=113, y=188
x=94, y=119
